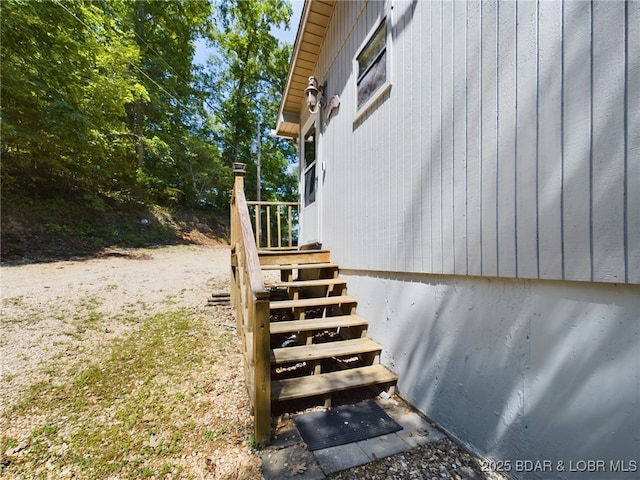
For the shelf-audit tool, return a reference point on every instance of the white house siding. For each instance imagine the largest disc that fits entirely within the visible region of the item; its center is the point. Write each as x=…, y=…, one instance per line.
x=507, y=146
x=486, y=213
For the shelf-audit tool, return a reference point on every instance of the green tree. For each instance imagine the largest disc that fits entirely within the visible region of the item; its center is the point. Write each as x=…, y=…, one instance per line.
x=248, y=72
x=102, y=96
x=66, y=78
x=175, y=152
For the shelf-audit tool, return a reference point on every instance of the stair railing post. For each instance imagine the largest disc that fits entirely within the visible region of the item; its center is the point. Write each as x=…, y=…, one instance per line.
x=262, y=358
x=236, y=234
x=239, y=171
x=251, y=300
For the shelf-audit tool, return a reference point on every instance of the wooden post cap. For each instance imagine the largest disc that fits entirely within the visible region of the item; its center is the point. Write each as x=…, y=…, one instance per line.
x=239, y=169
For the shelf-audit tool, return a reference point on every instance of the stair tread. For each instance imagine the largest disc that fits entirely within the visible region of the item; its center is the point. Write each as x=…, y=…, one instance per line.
x=339, y=321
x=323, y=350
x=285, y=257
x=321, y=384
x=299, y=266
x=312, y=302
x=275, y=253
x=323, y=282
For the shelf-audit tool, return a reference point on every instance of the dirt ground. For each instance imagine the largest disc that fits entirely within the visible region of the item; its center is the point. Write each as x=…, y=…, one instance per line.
x=65, y=320
x=42, y=303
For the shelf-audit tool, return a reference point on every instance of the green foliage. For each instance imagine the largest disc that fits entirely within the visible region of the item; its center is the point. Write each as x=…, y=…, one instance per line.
x=66, y=79
x=248, y=75
x=101, y=100
x=178, y=160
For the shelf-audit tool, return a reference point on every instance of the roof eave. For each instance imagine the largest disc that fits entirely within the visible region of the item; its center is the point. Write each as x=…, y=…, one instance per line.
x=316, y=14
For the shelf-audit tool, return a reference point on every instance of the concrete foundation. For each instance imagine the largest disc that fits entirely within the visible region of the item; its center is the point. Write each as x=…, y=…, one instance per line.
x=540, y=377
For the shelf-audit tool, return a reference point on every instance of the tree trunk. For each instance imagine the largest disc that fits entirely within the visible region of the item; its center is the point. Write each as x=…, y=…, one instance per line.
x=139, y=108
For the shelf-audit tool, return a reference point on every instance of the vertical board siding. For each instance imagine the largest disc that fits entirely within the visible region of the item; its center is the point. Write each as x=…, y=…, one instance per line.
x=526, y=155
x=489, y=136
x=508, y=144
x=473, y=137
x=507, y=128
x=607, y=194
x=389, y=197
x=549, y=139
x=576, y=128
x=632, y=142
x=414, y=166
x=402, y=201
x=435, y=188
x=447, y=116
x=459, y=74
x=424, y=132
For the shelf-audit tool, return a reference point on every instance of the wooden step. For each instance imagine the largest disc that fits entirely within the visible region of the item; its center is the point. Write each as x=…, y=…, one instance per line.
x=312, y=302
x=323, y=282
x=324, y=383
x=300, y=266
x=295, y=256
x=317, y=351
x=340, y=321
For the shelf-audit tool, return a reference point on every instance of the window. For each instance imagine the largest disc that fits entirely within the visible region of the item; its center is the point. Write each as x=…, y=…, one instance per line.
x=309, y=170
x=372, y=66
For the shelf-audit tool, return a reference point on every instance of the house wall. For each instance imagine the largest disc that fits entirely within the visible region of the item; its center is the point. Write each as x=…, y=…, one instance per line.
x=508, y=145
x=486, y=212
x=518, y=370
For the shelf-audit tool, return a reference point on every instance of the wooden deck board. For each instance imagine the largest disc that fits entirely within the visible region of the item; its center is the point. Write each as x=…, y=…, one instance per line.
x=313, y=302
x=330, y=382
x=291, y=257
x=341, y=321
x=323, y=350
x=299, y=266
x=323, y=282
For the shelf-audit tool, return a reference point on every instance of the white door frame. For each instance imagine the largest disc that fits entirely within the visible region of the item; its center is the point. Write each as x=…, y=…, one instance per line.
x=310, y=215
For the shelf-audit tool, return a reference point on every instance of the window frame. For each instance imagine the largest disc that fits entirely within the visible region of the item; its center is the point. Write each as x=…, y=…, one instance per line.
x=383, y=21
x=310, y=167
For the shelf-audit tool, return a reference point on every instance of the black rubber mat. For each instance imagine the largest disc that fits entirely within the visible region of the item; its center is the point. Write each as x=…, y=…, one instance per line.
x=347, y=424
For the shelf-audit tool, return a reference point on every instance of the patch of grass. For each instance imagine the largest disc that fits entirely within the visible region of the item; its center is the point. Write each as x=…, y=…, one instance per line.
x=86, y=317
x=8, y=442
x=169, y=300
x=13, y=301
x=136, y=412
x=253, y=444
x=213, y=434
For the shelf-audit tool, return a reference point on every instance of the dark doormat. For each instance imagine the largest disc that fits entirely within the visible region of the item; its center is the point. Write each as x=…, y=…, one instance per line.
x=347, y=424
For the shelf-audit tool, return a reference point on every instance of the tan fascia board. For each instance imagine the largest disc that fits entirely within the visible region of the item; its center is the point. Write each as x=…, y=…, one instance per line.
x=287, y=118
x=282, y=115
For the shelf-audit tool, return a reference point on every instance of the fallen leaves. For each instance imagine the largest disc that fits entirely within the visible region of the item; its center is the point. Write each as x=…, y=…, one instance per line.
x=210, y=463
x=297, y=469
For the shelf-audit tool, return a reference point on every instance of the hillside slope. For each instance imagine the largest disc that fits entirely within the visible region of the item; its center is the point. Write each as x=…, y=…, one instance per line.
x=63, y=228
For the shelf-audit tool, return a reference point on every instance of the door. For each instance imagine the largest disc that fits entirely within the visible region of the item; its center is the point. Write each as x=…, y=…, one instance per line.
x=310, y=194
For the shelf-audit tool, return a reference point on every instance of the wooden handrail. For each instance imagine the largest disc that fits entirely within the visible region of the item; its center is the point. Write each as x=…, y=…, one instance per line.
x=250, y=299
x=253, y=202
x=280, y=207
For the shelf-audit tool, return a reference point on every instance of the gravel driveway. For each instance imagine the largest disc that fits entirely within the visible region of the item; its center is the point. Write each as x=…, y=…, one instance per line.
x=42, y=303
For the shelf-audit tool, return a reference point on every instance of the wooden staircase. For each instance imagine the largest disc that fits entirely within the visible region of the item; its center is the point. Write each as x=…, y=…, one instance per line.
x=318, y=342
x=300, y=336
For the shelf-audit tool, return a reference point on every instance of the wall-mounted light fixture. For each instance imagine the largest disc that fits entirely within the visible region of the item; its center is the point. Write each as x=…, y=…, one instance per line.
x=314, y=94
